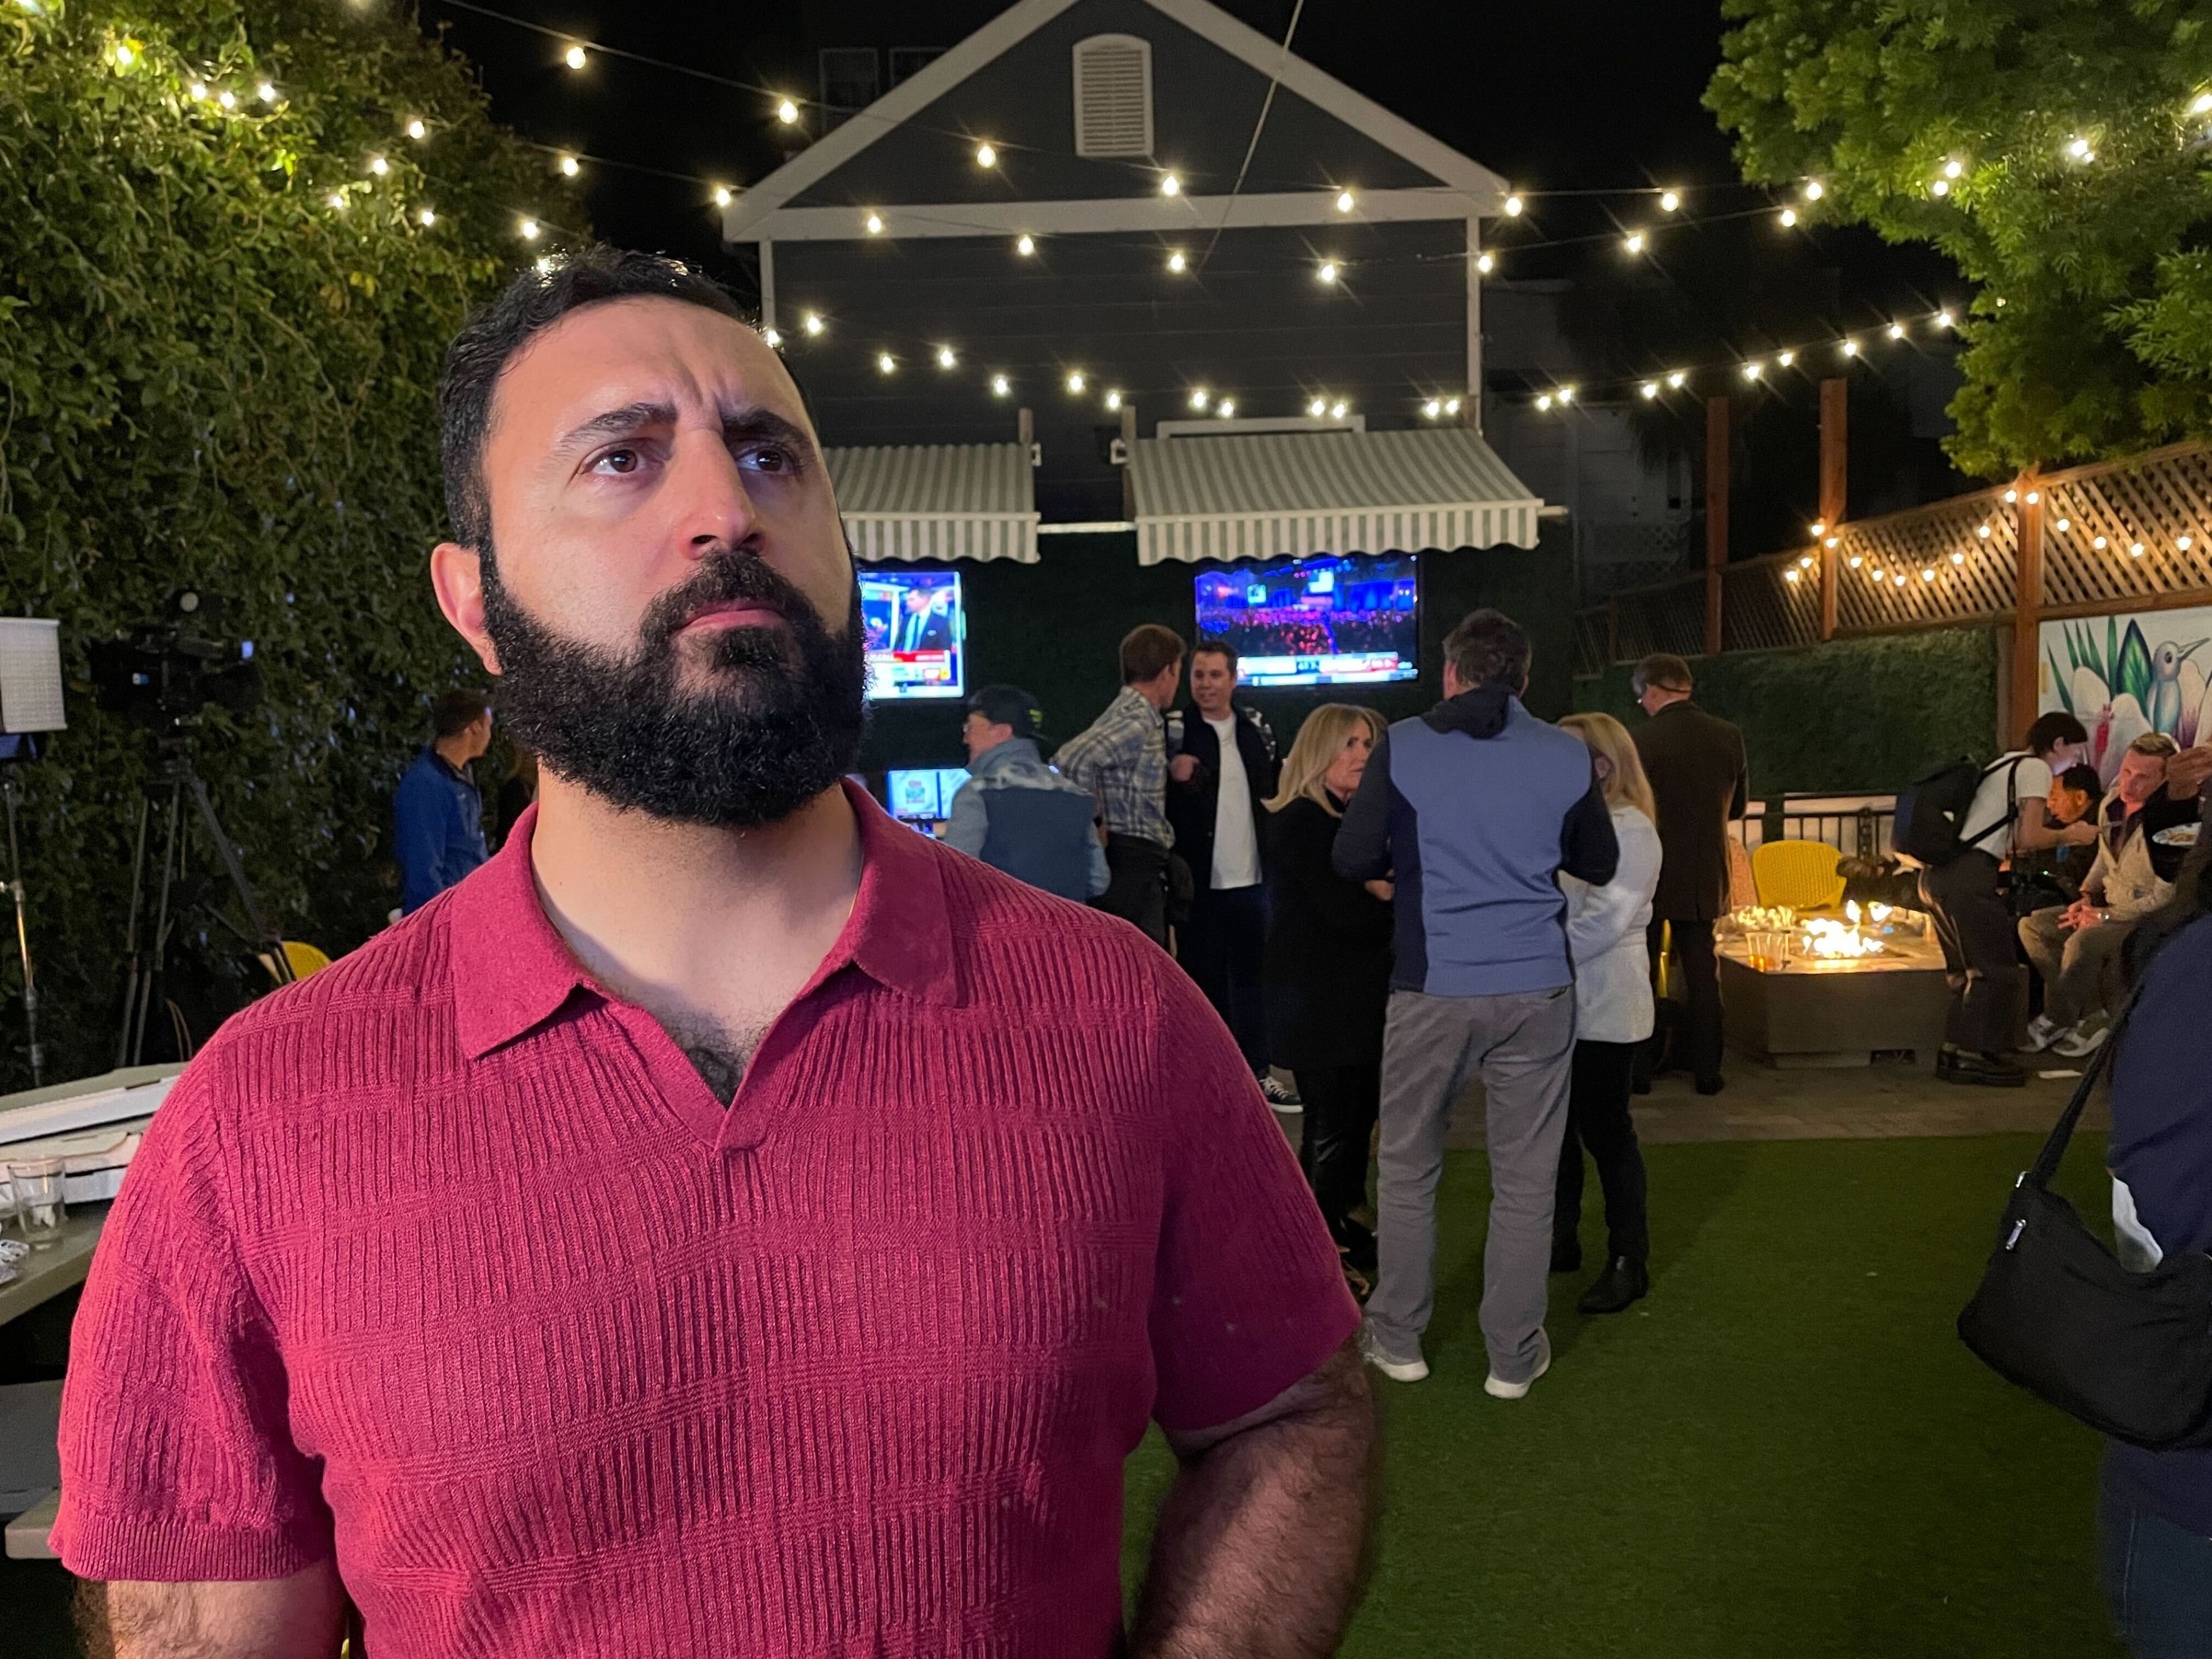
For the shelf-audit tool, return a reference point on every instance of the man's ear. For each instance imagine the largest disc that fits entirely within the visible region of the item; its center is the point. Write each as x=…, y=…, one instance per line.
x=457, y=577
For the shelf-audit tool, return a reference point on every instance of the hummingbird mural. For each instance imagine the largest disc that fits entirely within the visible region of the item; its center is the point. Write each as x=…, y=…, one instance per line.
x=2119, y=687
x=2166, y=698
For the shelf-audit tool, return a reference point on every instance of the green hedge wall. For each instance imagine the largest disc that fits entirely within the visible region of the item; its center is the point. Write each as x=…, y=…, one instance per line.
x=1850, y=716
x=1053, y=629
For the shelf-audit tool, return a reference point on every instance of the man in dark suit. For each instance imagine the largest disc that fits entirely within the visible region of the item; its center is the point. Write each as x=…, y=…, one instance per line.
x=1698, y=779
x=921, y=624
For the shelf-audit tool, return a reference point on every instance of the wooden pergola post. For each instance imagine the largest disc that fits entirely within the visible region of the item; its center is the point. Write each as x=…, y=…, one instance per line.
x=1717, y=515
x=1835, y=477
x=2027, y=607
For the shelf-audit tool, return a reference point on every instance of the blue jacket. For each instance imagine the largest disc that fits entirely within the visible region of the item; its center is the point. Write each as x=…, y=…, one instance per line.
x=1018, y=815
x=437, y=829
x=1474, y=809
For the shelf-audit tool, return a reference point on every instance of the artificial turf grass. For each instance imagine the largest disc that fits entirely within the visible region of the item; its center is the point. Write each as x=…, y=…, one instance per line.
x=1784, y=1450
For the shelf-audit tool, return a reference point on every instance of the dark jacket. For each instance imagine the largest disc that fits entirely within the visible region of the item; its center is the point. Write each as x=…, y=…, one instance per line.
x=1699, y=781
x=2161, y=1147
x=1194, y=807
x=1326, y=966
x=1473, y=809
x=437, y=829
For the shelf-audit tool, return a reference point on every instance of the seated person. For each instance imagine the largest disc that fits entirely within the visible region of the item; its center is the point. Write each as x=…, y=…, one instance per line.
x=2073, y=946
x=2052, y=875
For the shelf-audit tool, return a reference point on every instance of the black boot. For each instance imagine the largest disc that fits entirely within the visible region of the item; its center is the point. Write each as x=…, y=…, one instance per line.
x=1989, y=1071
x=1356, y=1245
x=1567, y=1254
x=1623, y=1280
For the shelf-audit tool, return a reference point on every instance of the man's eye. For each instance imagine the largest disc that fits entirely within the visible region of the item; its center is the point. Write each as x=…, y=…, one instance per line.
x=771, y=458
x=618, y=461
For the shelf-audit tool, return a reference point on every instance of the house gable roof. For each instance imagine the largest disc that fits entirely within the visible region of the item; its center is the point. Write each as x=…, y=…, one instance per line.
x=1422, y=165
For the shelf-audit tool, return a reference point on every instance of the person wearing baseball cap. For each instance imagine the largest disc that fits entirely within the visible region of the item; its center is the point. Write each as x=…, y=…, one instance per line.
x=1015, y=812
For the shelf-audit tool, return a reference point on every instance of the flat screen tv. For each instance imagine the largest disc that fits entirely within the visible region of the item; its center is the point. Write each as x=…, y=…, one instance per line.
x=1334, y=619
x=923, y=794
x=917, y=633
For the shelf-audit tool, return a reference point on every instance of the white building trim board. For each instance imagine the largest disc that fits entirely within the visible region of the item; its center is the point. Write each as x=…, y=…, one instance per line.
x=1167, y=216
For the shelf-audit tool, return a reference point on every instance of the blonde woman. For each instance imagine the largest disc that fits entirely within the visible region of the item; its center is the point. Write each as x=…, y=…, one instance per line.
x=1326, y=971
x=1613, y=1017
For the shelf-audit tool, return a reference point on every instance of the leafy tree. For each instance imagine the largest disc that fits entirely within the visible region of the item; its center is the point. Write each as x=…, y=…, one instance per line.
x=229, y=278
x=2055, y=150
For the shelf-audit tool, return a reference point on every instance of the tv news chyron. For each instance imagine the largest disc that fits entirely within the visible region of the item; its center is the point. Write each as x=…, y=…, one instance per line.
x=1334, y=619
x=917, y=632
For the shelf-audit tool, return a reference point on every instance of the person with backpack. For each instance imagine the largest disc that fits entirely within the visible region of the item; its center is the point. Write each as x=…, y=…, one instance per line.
x=1961, y=824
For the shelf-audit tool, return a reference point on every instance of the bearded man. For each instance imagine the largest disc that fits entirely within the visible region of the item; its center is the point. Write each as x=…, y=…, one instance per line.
x=727, y=1222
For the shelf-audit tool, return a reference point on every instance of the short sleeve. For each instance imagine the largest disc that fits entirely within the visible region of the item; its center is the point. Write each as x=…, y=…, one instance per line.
x=178, y=1463
x=1248, y=1295
x=2032, y=779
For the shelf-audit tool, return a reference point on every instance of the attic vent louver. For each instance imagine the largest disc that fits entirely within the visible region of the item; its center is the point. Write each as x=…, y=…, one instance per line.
x=1114, y=95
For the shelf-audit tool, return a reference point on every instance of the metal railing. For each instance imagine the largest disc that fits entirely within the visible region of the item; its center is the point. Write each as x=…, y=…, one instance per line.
x=1857, y=826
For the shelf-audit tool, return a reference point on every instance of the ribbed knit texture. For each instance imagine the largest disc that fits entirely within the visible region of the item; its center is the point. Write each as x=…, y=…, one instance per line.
x=445, y=1260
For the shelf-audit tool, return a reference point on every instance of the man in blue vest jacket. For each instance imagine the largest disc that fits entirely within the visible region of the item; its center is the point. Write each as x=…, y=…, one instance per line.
x=1473, y=809
x=437, y=817
x=1015, y=812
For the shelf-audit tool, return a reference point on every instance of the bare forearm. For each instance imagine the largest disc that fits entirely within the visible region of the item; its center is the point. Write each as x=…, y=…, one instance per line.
x=1259, y=1551
x=300, y=1617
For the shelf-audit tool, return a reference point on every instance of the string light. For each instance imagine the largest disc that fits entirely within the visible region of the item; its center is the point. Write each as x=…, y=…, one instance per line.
x=1025, y=246
x=1670, y=200
x=1789, y=217
x=1850, y=348
x=267, y=93
x=946, y=357
x=2098, y=543
x=1939, y=188
x=1327, y=272
x=2082, y=150
x=1337, y=408
x=529, y=229
x=1791, y=574
x=1819, y=530
x=885, y=363
x=1197, y=398
x=1953, y=169
x=378, y=165
x=1345, y=201
x=2202, y=104
x=1634, y=243
x=787, y=112
x=2184, y=543
x=2063, y=526
x=874, y=224
x=1317, y=408
x=1897, y=331
x=1075, y=382
x=1785, y=358
x=1566, y=394
x=985, y=156
x=1982, y=531
x=573, y=57
x=544, y=265
x=1944, y=319
x=1899, y=579
x=197, y=89
x=414, y=129
x=1650, y=389
x=1434, y=408
x=1113, y=400
x=722, y=196
x=1832, y=541
x=1176, y=263
x=426, y=218
x=1677, y=380
x=813, y=322
x=1814, y=190
x=1856, y=560
x=1169, y=184
x=2033, y=497
x=1485, y=263
x=125, y=57
x=1451, y=405
x=228, y=101
x=1958, y=558
x=1000, y=385
x=1544, y=402
x=1513, y=206
x=1927, y=576
x=2011, y=495
x=2136, y=551
x=1225, y=409
x=774, y=336
x=569, y=168
x=338, y=200
x=1752, y=371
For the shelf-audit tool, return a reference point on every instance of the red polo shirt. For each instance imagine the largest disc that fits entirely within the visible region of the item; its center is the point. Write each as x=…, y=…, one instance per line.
x=445, y=1260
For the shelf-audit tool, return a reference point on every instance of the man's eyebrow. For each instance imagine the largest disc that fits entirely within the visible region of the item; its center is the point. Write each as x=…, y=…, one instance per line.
x=615, y=423
x=766, y=423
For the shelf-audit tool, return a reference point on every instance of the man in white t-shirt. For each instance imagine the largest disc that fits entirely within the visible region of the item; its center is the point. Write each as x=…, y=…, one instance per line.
x=1965, y=895
x=1221, y=766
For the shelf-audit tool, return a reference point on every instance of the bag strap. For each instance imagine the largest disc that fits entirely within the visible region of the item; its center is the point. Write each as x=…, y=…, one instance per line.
x=2012, y=800
x=2047, y=1161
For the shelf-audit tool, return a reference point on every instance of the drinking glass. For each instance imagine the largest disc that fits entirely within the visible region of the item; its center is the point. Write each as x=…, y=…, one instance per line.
x=38, y=1184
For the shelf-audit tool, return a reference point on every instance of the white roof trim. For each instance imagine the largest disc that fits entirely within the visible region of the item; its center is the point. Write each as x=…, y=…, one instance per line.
x=1189, y=215
x=742, y=219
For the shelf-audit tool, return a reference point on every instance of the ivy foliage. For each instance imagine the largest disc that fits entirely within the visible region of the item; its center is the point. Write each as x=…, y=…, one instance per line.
x=2059, y=151
x=228, y=277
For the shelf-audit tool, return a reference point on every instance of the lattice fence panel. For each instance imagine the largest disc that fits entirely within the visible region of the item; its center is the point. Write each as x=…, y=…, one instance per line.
x=1954, y=560
x=2129, y=529
x=1765, y=603
x=1670, y=619
x=1591, y=641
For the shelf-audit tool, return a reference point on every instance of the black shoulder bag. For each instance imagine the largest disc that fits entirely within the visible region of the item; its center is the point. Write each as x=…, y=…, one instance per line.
x=2129, y=1353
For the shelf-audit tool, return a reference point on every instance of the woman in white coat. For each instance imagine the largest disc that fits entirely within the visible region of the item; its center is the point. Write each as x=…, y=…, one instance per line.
x=1612, y=1019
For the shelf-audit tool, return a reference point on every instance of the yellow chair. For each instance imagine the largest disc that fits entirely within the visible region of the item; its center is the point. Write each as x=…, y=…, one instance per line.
x=304, y=959
x=1801, y=874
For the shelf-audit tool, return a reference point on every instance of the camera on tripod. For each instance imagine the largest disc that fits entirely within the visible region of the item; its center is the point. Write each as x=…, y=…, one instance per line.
x=161, y=676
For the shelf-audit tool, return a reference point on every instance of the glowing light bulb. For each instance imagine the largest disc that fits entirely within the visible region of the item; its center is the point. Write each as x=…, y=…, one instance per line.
x=1513, y=206
x=228, y=101
x=1789, y=217
x=722, y=196
x=1544, y=402
x=569, y=168
x=2098, y=543
x=2202, y=104
x=1169, y=184
x=1856, y=560
x=1819, y=530
x=529, y=229
x=1451, y=405
x=2080, y=150
x=946, y=357
x=1634, y=242
x=338, y=200
x=2136, y=550
x=1982, y=531
x=1176, y=263
x=378, y=165
x=1928, y=575
x=426, y=218
x=1752, y=371
x=1941, y=187
x=1670, y=200
x=544, y=266
x=573, y=57
x=2063, y=526
x=874, y=224
x=1566, y=394
x=1850, y=348
x=985, y=156
x=125, y=57
x=1327, y=272
x=1000, y=385
x=1677, y=380
x=1076, y=382
x=1113, y=400
x=197, y=88
x=417, y=129
x=2185, y=542
x=1433, y=407
x=1943, y=319
x=813, y=322
x=1650, y=389
x=1831, y=541
x=1485, y=263
x=1899, y=579
x=1814, y=190
x=2011, y=495
x=1198, y=399
x=787, y=112
x=2033, y=497
x=1785, y=358
x=266, y=92
x=1337, y=408
x=1897, y=331
x=1225, y=408
x=1958, y=558
x=1791, y=574
x=1025, y=246
x=774, y=336
x=1317, y=408
x=1953, y=169
x=1345, y=201
x=886, y=362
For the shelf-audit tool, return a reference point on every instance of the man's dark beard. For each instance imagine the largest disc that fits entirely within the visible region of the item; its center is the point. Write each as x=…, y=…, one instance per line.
x=780, y=724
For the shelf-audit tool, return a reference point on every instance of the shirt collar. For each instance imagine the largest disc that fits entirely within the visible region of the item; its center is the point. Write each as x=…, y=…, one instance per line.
x=512, y=972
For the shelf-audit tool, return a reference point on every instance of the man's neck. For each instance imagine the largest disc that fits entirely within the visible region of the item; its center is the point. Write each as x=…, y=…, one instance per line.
x=1226, y=712
x=454, y=751
x=711, y=931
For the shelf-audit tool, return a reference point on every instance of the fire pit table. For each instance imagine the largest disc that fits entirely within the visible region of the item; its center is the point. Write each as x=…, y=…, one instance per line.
x=1823, y=989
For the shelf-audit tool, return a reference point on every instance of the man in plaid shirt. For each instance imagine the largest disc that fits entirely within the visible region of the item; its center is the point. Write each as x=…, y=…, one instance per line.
x=1121, y=759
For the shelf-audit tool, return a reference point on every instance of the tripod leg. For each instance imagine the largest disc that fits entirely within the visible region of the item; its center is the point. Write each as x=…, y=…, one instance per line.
x=263, y=935
x=23, y=939
x=169, y=867
x=132, y=967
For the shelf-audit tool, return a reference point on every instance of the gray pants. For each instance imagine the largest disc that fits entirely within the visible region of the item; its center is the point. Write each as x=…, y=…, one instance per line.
x=1522, y=1047
x=2072, y=961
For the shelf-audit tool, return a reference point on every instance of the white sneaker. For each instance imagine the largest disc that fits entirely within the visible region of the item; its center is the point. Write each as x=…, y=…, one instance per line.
x=2042, y=1032
x=1415, y=1370
x=1498, y=1388
x=2083, y=1040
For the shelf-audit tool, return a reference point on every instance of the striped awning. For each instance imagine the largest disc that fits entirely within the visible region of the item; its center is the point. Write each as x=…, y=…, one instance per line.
x=937, y=502
x=1271, y=496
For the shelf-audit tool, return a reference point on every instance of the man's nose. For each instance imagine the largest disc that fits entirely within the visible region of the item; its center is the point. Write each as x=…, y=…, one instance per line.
x=708, y=492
